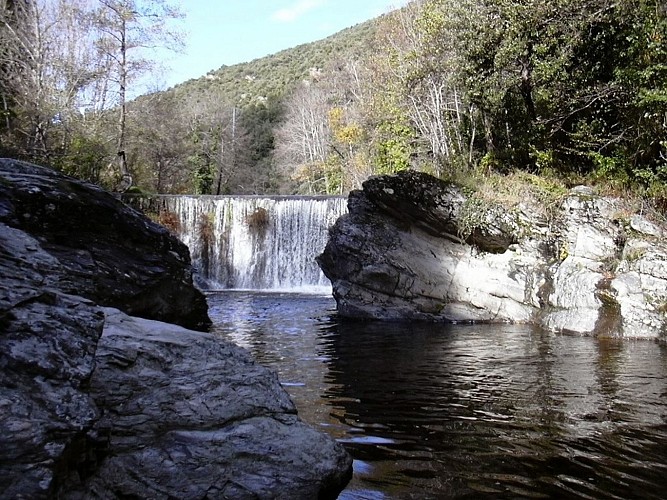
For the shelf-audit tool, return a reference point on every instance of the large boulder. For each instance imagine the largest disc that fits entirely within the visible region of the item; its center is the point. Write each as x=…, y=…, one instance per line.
x=405, y=250
x=47, y=347
x=415, y=247
x=95, y=403
x=186, y=415
x=108, y=252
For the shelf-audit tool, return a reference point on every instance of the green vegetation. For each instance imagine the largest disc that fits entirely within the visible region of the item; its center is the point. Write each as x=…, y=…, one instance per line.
x=511, y=99
x=272, y=77
x=635, y=254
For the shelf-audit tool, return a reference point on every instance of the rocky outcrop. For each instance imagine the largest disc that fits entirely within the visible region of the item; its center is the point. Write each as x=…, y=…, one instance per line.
x=415, y=247
x=98, y=404
x=108, y=252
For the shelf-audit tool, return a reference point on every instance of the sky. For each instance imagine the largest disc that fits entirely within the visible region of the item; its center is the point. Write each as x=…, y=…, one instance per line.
x=227, y=32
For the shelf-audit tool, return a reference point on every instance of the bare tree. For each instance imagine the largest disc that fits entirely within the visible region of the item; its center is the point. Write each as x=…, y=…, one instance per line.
x=220, y=143
x=26, y=28
x=65, y=63
x=157, y=146
x=350, y=98
x=302, y=141
x=425, y=68
x=128, y=28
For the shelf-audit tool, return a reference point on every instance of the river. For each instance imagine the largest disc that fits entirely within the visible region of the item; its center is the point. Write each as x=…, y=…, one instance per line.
x=464, y=411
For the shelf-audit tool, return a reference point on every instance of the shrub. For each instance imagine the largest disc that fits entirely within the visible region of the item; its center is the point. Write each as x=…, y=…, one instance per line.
x=170, y=220
x=258, y=220
x=206, y=231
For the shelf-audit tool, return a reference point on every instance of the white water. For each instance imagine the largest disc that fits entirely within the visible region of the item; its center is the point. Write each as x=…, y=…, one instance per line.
x=231, y=253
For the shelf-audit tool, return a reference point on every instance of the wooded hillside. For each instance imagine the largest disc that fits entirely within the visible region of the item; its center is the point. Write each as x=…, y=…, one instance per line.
x=574, y=90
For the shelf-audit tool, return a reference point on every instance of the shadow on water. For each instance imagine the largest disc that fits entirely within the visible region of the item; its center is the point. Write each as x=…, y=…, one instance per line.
x=484, y=411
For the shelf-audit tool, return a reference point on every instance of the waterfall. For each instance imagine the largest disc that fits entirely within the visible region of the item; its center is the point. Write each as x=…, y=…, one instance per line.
x=253, y=242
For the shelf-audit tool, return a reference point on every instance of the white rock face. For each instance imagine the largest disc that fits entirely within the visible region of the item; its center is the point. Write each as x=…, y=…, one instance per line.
x=641, y=225
x=640, y=287
x=588, y=241
x=403, y=253
x=575, y=306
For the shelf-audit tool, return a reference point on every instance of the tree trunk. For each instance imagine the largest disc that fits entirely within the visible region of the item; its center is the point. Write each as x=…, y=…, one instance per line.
x=123, y=107
x=526, y=86
x=126, y=178
x=488, y=132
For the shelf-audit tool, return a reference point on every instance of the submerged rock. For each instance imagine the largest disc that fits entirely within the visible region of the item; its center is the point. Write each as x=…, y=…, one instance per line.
x=415, y=247
x=98, y=404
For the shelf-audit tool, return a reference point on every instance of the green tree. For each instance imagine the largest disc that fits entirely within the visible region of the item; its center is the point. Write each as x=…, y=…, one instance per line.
x=642, y=74
x=578, y=82
x=259, y=121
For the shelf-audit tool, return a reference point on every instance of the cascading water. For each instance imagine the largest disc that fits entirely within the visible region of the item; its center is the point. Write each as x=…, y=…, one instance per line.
x=254, y=243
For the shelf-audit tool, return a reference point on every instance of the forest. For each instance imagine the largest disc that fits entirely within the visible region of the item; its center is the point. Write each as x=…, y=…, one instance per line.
x=558, y=91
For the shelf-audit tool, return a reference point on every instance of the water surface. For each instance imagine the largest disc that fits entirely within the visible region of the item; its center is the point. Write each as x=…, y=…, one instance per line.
x=451, y=411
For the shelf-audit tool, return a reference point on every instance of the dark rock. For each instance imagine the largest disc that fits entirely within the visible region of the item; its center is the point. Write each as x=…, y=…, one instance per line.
x=98, y=404
x=47, y=347
x=109, y=253
x=417, y=198
x=439, y=208
x=190, y=416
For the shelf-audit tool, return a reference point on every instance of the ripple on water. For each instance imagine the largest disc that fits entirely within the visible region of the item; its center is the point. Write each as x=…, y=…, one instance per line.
x=441, y=411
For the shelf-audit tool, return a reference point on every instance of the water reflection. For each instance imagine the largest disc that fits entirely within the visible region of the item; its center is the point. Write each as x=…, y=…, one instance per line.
x=442, y=411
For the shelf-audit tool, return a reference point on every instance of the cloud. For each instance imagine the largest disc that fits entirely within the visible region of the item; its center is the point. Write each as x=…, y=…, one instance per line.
x=296, y=10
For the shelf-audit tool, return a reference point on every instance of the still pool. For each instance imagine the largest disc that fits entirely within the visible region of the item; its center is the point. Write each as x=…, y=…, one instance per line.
x=464, y=411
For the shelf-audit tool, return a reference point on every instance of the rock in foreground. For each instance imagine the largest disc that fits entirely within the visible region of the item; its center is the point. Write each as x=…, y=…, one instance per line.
x=98, y=404
x=48, y=341
x=415, y=247
x=186, y=415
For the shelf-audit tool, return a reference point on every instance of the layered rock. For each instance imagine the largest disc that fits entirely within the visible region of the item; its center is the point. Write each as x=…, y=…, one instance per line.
x=415, y=247
x=186, y=415
x=47, y=346
x=108, y=252
x=98, y=404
